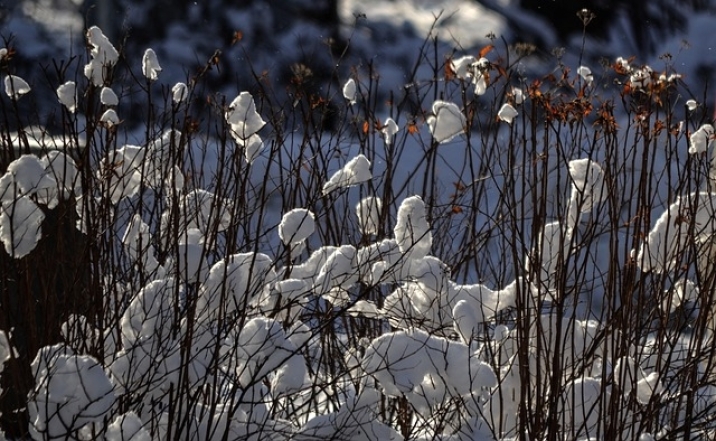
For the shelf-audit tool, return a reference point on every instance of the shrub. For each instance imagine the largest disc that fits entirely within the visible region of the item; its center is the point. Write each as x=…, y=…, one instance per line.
x=484, y=256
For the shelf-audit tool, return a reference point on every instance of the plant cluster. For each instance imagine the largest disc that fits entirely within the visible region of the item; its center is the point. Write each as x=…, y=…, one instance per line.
x=480, y=256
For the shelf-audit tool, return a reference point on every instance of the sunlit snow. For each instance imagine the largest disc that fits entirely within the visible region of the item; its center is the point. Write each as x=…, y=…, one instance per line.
x=447, y=121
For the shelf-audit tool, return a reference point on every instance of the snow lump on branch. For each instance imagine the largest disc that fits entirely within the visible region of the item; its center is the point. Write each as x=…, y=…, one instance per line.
x=355, y=171
x=447, y=121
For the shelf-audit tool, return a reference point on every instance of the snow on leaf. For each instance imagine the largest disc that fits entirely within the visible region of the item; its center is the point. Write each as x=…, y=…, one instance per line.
x=355, y=171
x=507, y=113
x=201, y=208
x=243, y=117
x=137, y=241
x=702, y=139
x=67, y=95
x=640, y=79
x=291, y=377
x=683, y=291
x=463, y=66
x=191, y=264
x=7, y=351
x=477, y=304
x=554, y=245
x=581, y=396
x=691, y=105
x=296, y=225
x=364, y=308
x=627, y=373
x=262, y=347
x=466, y=373
x=338, y=272
x=252, y=147
x=150, y=314
x=15, y=87
x=402, y=353
x=349, y=90
x=586, y=74
x=647, y=387
x=243, y=277
x=102, y=50
x=308, y=270
x=690, y=219
x=623, y=63
x=108, y=97
x=426, y=369
x=482, y=64
x=412, y=231
x=390, y=128
x=368, y=212
x=446, y=122
x=109, y=117
x=588, y=181
x=29, y=175
x=20, y=227
x=518, y=95
x=70, y=392
x=127, y=427
x=94, y=71
x=179, y=92
x=150, y=65
x=120, y=171
x=480, y=84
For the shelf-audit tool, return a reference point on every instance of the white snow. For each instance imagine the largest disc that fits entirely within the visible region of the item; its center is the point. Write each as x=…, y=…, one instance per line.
x=233, y=283
x=94, y=71
x=70, y=391
x=390, y=128
x=120, y=171
x=507, y=113
x=20, y=227
x=446, y=122
x=338, y=273
x=200, y=209
x=518, y=95
x=127, y=427
x=15, y=87
x=180, y=91
x=424, y=368
x=67, y=95
x=586, y=74
x=669, y=236
x=109, y=117
x=588, y=183
x=296, y=225
x=61, y=168
x=349, y=91
x=368, y=211
x=463, y=66
x=29, y=175
x=102, y=50
x=702, y=139
x=412, y=231
x=245, y=121
x=253, y=148
x=443, y=353
x=137, y=240
x=355, y=171
x=150, y=65
x=108, y=97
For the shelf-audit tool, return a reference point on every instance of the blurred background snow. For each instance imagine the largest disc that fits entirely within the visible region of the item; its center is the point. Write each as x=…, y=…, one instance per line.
x=276, y=35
